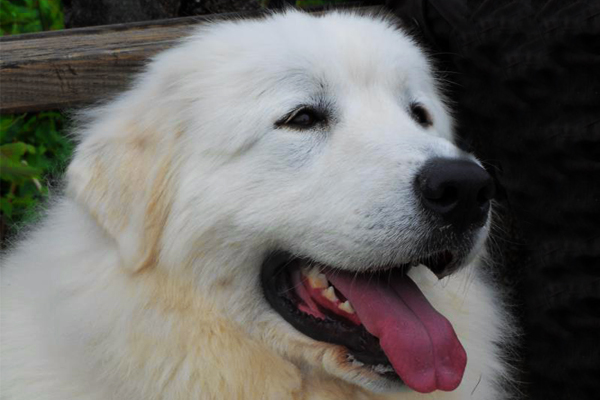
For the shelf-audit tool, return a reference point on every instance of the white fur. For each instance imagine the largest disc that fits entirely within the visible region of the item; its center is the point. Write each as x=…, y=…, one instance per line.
x=143, y=282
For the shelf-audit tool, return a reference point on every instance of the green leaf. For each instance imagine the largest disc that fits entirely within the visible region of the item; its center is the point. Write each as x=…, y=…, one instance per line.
x=24, y=201
x=5, y=122
x=6, y=207
x=14, y=151
x=16, y=172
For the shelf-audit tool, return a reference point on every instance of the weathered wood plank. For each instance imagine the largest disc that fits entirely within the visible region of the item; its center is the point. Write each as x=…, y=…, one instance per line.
x=75, y=67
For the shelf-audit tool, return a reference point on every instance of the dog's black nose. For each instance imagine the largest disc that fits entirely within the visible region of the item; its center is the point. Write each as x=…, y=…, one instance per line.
x=458, y=191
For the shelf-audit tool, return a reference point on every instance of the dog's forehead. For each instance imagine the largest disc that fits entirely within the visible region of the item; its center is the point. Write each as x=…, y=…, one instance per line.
x=338, y=46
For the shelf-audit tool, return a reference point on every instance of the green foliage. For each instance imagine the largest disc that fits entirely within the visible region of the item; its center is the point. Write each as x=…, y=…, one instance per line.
x=24, y=16
x=14, y=169
x=32, y=149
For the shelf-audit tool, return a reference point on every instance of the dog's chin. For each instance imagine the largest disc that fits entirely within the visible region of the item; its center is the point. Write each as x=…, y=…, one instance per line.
x=337, y=363
x=320, y=300
x=333, y=361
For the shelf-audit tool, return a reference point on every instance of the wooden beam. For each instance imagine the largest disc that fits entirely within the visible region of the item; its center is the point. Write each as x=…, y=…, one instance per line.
x=75, y=67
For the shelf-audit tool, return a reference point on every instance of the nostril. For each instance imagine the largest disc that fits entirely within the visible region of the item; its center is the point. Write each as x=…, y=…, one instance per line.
x=449, y=196
x=439, y=196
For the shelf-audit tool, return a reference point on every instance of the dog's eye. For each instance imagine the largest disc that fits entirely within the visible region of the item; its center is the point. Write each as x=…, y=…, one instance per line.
x=304, y=118
x=421, y=115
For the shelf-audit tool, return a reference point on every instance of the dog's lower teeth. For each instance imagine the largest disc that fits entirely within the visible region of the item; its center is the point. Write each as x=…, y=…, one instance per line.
x=382, y=369
x=329, y=294
x=358, y=363
x=346, y=307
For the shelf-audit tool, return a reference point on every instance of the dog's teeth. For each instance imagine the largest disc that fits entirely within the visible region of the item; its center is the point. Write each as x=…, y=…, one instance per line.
x=346, y=307
x=319, y=282
x=329, y=294
x=382, y=369
x=358, y=363
x=315, y=278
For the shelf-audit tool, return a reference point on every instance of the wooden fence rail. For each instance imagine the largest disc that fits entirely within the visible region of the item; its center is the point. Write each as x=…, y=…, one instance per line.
x=73, y=67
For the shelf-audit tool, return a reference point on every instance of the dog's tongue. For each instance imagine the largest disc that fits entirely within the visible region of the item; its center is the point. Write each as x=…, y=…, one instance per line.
x=419, y=342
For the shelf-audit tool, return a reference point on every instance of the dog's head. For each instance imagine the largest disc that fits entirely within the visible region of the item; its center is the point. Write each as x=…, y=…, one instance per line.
x=296, y=168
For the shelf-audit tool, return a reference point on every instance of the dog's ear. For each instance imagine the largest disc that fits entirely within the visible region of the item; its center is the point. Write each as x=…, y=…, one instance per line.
x=122, y=174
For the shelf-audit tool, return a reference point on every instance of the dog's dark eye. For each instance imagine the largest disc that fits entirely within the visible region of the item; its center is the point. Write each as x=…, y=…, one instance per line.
x=421, y=115
x=304, y=118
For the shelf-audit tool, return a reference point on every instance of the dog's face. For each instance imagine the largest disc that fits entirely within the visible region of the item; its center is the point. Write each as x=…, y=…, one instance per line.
x=290, y=152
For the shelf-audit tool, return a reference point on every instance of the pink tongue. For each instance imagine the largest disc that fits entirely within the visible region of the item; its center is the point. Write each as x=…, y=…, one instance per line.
x=419, y=342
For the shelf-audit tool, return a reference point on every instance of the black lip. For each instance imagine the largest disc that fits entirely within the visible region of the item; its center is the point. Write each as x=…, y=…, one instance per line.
x=277, y=289
x=441, y=263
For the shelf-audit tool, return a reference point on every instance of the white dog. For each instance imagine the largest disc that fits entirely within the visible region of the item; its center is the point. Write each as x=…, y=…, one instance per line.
x=264, y=215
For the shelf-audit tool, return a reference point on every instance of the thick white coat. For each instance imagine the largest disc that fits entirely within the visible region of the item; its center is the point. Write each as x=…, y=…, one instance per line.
x=143, y=281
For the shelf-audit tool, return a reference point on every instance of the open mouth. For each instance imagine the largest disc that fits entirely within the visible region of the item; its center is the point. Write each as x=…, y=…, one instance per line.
x=381, y=317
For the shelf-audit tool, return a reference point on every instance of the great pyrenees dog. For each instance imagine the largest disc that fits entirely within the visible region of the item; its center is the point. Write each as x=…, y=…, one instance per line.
x=275, y=210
